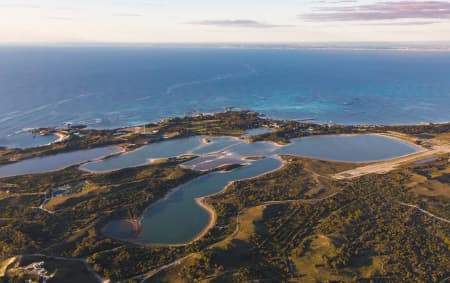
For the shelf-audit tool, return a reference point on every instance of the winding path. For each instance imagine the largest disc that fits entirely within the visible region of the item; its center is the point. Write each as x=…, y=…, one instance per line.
x=153, y=272
x=424, y=211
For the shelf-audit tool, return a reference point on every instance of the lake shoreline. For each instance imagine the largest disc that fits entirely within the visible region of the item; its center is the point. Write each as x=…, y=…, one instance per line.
x=132, y=138
x=119, y=150
x=199, y=201
x=323, y=131
x=210, y=209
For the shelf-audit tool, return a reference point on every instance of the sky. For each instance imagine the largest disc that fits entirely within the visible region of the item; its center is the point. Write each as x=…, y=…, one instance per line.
x=199, y=21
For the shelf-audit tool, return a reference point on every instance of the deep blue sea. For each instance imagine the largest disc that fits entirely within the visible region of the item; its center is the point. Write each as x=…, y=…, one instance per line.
x=110, y=87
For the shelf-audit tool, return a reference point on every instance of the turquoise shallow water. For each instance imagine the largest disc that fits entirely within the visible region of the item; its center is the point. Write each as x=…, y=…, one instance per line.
x=111, y=87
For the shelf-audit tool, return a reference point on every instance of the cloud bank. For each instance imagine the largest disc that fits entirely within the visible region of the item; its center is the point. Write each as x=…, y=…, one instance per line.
x=383, y=11
x=236, y=23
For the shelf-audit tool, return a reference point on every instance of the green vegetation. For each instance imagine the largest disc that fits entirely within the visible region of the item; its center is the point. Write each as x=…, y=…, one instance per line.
x=72, y=228
x=296, y=224
x=351, y=230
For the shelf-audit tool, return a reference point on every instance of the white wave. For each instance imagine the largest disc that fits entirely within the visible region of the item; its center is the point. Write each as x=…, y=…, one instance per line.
x=23, y=130
x=26, y=112
x=66, y=100
x=22, y=114
x=172, y=88
x=33, y=111
x=63, y=101
x=249, y=71
x=5, y=119
x=144, y=98
x=420, y=106
x=86, y=95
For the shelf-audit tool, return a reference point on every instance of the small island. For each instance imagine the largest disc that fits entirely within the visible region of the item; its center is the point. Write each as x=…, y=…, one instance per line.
x=289, y=218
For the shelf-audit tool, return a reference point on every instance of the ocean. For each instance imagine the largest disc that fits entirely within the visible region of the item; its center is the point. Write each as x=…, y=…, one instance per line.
x=106, y=87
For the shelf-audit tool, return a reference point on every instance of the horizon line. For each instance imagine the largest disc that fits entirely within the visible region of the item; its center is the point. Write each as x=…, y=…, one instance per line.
x=325, y=45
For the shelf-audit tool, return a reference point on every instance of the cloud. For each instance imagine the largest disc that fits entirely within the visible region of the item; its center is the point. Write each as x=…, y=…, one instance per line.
x=334, y=2
x=383, y=11
x=409, y=23
x=236, y=23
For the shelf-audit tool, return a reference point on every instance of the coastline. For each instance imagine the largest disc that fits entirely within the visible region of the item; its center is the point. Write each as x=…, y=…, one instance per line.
x=201, y=202
x=61, y=137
